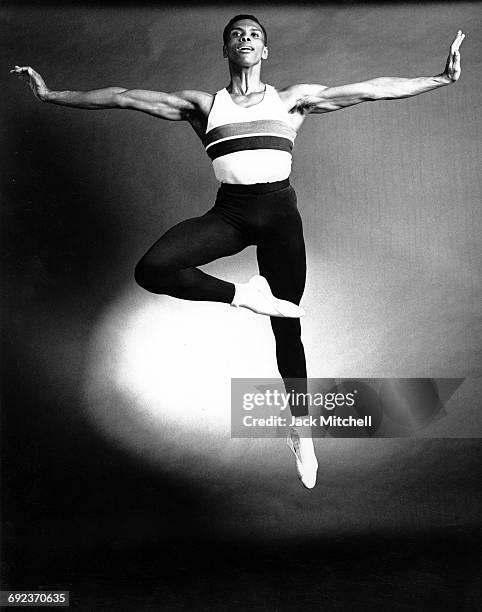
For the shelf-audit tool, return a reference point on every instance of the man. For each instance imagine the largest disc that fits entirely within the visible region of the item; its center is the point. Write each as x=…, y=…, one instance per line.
x=248, y=130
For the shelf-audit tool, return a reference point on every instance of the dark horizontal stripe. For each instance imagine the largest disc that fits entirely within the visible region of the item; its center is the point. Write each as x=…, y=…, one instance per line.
x=237, y=188
x=249, y=127
x=249, y=143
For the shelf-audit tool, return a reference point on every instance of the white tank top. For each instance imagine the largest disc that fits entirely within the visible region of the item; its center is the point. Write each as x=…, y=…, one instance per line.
x=249, y=145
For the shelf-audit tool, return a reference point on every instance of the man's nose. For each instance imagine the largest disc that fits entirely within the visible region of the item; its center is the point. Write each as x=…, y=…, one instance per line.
x=245, y=37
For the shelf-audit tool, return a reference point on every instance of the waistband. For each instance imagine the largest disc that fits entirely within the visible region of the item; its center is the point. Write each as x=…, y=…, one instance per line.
x=254, y=188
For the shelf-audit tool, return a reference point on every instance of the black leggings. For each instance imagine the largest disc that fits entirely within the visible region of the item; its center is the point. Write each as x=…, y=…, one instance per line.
x=265, y=215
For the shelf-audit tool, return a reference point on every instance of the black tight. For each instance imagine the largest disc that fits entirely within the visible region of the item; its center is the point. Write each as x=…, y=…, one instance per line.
x=265, y=215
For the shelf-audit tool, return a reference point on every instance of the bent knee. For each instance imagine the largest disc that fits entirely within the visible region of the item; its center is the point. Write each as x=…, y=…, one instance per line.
x=147, y=276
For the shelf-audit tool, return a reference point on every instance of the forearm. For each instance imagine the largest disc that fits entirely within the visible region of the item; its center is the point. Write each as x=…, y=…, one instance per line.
x=328, y=99
x=390, y=88
x=108, y=97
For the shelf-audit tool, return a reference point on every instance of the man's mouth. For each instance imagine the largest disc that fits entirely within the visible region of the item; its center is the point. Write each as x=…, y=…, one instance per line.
x=245, y=48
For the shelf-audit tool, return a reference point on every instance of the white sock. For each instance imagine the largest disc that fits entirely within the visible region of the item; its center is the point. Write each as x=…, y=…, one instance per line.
x=255, y=295
x=242, y=294
x=305, y=442
x=306, y=462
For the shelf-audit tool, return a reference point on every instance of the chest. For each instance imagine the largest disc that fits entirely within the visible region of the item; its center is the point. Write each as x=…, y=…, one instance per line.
x=248, y=101
x=245, y=108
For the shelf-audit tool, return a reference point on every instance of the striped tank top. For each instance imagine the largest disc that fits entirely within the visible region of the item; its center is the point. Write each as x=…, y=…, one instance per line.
x=249, y=145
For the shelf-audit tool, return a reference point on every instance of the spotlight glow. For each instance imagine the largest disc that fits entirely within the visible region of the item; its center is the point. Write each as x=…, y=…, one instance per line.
x=159, y=379
x=158, y=386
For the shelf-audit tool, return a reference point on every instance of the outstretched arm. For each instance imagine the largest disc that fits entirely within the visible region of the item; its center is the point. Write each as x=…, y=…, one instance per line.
x=173, y=106
x=322, y=99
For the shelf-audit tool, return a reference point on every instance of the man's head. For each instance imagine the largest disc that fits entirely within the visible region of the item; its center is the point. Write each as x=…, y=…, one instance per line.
x=227, y=29
x=245, y=40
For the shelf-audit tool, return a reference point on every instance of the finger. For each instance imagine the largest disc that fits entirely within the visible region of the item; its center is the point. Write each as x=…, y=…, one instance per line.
x=456, y=44
x=458, y=41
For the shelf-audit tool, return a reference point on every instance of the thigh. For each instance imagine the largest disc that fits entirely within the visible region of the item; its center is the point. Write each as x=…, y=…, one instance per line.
x=282, y=259
x=195, y=242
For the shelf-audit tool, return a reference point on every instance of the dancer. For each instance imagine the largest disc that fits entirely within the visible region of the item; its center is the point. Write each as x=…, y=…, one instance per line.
x=248, y=129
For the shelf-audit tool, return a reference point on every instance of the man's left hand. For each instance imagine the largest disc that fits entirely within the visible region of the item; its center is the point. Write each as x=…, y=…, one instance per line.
x=452, y=67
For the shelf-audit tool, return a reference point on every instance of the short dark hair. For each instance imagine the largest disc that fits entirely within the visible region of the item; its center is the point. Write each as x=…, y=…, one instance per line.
x=239, y=18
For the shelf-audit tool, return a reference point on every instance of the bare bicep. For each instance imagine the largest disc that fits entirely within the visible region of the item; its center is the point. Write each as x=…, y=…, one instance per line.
x=173, y=106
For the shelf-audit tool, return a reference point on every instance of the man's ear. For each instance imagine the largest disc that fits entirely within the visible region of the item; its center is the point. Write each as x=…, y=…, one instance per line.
x=264, y=55
x=225, y=53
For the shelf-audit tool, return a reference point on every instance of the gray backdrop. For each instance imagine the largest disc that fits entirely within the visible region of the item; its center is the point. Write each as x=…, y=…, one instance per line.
x=389, y=193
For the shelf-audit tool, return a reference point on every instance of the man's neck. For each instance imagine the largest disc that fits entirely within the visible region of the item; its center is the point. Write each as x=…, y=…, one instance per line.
x=245, y=81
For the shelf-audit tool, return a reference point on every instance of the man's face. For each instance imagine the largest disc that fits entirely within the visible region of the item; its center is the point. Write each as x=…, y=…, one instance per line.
x=245, y=43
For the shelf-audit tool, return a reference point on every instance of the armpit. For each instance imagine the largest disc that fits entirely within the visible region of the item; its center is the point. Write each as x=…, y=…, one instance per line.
x=304, y=105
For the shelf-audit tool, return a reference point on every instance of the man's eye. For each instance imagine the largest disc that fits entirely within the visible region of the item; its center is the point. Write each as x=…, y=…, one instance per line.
x=255, y=34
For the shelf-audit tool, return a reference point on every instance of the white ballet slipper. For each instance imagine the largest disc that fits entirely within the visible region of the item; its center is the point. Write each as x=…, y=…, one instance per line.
x=304, y=452
x=255, y=295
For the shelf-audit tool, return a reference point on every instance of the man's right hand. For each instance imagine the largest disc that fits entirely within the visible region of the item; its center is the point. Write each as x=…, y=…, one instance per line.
x=33, y=78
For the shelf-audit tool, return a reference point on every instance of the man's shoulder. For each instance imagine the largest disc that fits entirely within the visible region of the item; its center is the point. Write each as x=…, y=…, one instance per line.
x=295, y=96
x=301, y=89
x=199, y=98
x=291, y=95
